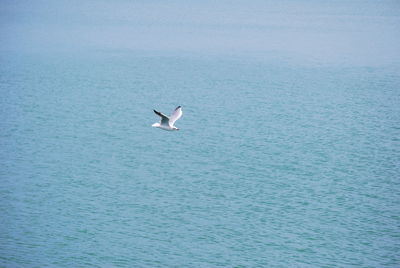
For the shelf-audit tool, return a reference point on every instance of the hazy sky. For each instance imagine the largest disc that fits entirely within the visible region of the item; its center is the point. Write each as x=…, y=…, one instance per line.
x=355, y=30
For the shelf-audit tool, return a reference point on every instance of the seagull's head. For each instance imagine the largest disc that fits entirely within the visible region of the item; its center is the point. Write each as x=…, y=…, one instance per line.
x=175, y=128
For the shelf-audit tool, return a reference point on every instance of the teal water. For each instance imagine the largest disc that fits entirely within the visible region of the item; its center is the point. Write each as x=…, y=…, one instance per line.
x=275, y=165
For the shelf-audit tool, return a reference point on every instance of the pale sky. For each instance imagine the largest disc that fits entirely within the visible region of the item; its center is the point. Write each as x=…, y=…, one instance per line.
x=349, y=31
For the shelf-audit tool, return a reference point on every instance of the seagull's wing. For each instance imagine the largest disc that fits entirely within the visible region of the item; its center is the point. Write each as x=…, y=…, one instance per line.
x=164, y=118
x=175, y=115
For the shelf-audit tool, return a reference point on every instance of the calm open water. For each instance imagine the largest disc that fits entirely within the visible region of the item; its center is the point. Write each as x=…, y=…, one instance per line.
x=275, y=165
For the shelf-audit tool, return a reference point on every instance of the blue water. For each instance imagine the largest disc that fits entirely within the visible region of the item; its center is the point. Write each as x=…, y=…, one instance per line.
x=277, y=164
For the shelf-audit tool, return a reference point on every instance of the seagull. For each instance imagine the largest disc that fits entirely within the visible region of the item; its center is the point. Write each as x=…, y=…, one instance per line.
x=167, y=123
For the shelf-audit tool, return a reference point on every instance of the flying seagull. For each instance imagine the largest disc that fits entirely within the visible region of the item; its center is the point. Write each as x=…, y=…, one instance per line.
x=167, y=123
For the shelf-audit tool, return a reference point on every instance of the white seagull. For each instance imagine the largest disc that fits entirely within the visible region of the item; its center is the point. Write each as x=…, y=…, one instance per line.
x=167, y=123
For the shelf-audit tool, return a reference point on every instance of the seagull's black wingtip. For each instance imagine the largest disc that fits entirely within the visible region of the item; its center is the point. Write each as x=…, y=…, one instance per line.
x=178, y=107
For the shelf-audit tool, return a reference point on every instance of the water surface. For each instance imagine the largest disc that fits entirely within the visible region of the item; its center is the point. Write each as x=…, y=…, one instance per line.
x=275, y=165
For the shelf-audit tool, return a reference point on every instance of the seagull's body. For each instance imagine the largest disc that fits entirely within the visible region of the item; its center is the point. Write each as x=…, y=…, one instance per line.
x=167, y=123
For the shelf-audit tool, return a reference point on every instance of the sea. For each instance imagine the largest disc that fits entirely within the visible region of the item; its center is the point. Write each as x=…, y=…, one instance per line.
x=276, y=164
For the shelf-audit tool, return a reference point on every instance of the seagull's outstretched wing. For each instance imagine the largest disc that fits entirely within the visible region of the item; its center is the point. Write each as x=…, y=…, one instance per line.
x=175, y=115
x=164, y=118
